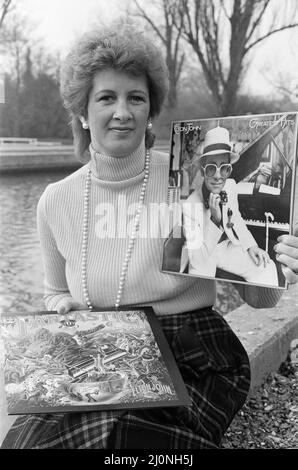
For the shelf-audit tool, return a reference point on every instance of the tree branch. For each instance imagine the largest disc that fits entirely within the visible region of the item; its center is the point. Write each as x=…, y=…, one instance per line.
x=258, y=19
x=176, y=48
x=5, y=9
x=224, y=9
x=294, y=25
x=179, y=68
x=144, y=15
x=216, y=45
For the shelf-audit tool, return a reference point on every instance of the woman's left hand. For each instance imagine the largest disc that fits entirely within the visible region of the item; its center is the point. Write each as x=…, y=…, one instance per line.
x=287, y=254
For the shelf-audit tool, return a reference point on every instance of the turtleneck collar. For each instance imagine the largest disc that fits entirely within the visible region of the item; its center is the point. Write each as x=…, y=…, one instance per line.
x=108, y=168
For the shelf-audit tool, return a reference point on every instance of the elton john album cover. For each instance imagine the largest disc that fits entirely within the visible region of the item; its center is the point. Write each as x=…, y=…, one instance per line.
x=88, y=361
x=231, y=195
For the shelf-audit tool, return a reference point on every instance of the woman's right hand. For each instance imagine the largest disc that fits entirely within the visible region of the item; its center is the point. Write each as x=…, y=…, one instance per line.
x=214, y=200
x=70, y=304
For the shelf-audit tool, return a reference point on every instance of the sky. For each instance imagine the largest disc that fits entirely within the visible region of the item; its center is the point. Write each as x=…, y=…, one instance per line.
x=59, y=22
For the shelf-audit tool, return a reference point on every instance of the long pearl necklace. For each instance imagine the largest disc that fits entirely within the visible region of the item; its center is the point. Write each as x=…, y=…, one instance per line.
x=131, y=239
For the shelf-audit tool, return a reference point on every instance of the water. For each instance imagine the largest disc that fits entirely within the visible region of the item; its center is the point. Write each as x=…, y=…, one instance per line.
x=21, y=281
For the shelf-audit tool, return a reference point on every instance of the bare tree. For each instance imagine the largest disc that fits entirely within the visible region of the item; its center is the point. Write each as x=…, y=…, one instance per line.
x=284, y=85
x=169, y=31
x=14, y=38
x=283, y=82
x=5, y=7
x=222, y=33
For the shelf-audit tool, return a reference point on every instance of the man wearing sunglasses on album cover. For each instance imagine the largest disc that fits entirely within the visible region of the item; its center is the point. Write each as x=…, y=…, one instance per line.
x=216, y=234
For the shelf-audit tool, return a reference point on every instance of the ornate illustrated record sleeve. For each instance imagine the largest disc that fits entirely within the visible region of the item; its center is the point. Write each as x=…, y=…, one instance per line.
x=96, y=360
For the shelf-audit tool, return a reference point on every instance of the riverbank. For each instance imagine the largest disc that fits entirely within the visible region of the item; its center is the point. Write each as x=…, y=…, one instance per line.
x=42, y=156
x=20, y=158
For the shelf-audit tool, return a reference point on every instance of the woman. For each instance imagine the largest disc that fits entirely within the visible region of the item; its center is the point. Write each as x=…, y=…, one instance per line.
x=114, y=82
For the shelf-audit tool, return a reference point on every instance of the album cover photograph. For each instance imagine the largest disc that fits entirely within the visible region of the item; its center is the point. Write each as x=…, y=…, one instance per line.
x=87, y=361
x=231, y=190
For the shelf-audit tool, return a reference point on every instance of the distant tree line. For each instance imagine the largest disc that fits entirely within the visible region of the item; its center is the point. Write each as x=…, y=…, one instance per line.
x=33, y=107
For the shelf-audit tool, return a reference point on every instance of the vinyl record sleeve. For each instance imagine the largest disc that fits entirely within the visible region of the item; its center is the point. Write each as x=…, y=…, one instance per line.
x=260, y=203
x=85, y=361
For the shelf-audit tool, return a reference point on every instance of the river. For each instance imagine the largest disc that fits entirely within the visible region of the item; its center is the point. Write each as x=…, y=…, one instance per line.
x=21, y=283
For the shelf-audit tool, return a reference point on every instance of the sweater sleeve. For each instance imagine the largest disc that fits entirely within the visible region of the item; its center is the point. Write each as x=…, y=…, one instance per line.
x=55, y=284
x=259, y=297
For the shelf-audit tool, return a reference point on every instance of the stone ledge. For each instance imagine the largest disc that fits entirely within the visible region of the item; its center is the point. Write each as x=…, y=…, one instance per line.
x=266, y=334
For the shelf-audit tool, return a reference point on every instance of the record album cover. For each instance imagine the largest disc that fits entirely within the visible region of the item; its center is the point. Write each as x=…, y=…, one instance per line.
x=231, y=190
x=88, y=361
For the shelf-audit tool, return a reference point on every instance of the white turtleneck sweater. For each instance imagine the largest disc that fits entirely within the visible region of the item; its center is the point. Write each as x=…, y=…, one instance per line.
x=116, y=185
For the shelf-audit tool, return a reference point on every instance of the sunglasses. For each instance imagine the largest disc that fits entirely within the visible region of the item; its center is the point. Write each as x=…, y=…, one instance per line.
x=210, y=169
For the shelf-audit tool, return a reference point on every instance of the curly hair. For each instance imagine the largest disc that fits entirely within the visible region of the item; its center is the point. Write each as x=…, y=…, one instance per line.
x=119, y=47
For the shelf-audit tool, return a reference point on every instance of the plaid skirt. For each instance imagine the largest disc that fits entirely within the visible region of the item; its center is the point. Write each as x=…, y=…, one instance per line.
x=215, y=369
